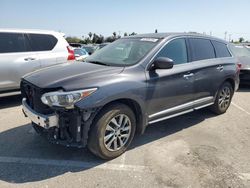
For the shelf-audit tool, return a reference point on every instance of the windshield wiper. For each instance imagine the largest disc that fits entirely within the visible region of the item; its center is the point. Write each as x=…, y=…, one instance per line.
x=99, y=63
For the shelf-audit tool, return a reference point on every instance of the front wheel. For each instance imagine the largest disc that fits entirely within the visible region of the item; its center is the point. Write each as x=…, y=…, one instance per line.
x=112, y=131
x=223, y=98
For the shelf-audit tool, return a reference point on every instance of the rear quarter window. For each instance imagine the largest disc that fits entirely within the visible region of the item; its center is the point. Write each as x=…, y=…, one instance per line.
x=201, y=49
x=12, y=42
x=221, y=49
x=42, y=42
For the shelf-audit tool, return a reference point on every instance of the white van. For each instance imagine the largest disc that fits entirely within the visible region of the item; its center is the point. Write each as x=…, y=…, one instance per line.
x=24, y=51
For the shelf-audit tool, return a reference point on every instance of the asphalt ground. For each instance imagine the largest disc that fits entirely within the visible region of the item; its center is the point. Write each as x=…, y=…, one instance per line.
x=198, y=149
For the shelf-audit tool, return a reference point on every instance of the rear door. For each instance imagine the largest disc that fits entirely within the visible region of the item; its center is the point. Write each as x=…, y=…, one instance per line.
x=16, y=60
x=170, y=91
x=208, y=70
x=43, y=45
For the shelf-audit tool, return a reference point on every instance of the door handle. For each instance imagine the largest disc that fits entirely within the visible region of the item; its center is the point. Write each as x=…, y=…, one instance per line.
x=220, y=68
x=187, y=76
x=29, y=59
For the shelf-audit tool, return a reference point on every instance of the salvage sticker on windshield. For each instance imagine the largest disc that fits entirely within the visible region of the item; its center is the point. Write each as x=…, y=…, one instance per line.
x=149, y=39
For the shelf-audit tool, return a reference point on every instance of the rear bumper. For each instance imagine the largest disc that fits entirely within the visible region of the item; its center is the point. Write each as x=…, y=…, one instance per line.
x=245, y=76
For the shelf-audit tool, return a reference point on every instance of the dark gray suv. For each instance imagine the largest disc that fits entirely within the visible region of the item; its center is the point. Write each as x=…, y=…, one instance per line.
x=131, y=83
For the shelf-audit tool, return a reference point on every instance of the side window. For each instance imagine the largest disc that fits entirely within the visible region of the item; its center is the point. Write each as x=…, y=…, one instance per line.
x=42, y=42
x=12, y=42
x=175, y=50
x=221, y=49
x=201, y=49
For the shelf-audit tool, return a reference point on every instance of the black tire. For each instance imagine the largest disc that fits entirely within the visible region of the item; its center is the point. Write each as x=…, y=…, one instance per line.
x=96, y=143
x=227, y=91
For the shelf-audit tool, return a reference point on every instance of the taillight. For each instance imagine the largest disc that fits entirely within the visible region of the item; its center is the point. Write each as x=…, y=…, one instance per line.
x=71, y=55
x=238, y=67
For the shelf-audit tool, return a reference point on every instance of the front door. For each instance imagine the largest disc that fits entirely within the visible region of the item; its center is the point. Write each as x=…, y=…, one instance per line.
x=170, y=91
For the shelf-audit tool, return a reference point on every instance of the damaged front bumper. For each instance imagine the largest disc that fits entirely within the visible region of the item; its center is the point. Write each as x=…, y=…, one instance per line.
x=65, y=127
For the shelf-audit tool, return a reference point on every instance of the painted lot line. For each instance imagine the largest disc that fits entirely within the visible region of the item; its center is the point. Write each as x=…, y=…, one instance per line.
x=240, y=108
x=70, y=163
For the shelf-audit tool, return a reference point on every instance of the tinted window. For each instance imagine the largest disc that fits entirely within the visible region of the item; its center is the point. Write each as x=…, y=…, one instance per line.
x=175, y=50
x=221, y=49
x=41, y=42
x=201, y=49
x=12, y=42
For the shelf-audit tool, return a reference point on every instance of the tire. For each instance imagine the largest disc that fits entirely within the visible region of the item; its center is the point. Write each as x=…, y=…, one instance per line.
x=223, y=98
x=106, y=139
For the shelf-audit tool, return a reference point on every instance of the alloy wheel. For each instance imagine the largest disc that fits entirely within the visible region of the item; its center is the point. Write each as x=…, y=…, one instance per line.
x=117, y=132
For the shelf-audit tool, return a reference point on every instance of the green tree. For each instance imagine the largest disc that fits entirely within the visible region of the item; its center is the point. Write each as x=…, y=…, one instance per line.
x=114, y=35
x=156, y=31
x=132, y=34
x=241, y=39
x=73, y=40
x=90, y=35
x=125, y=34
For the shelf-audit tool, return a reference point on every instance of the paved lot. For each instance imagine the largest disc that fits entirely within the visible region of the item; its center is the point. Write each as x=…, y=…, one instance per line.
x=194, y=150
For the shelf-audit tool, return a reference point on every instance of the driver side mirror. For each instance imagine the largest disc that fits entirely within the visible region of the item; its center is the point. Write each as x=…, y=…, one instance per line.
x=162, y=63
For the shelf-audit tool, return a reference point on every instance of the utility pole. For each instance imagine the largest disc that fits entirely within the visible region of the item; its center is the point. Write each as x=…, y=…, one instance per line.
x=225, y=35
x=230, y=36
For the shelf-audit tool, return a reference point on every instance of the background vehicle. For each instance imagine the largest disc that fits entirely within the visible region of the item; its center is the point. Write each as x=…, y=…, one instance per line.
x=89, y=49
x=24, y=51
x=100, y=46
x=75, y=45
x=80, y=54
x=243, y=55
x=129, y=84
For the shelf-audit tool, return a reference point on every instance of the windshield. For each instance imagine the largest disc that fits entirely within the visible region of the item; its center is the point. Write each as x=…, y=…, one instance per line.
x=240, y=51
x=80, y=52
x=124, y=52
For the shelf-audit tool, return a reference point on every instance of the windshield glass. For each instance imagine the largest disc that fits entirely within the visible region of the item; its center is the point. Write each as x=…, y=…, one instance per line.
x=240, y=51
x=80, y=52
x=124, y=52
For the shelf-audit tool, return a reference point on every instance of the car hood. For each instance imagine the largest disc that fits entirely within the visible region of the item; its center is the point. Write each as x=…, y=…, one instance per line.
x=71, y=75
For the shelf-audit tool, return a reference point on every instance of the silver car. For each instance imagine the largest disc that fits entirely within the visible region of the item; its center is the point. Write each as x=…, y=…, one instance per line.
x=24, y=51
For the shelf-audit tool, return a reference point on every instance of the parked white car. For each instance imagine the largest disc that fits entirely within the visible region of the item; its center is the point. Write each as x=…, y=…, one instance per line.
x=24, y=51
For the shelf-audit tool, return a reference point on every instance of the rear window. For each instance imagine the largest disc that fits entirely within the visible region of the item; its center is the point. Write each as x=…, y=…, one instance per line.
x=12, y=42
x=201, y=49
x=42, y=42
x=221, y=49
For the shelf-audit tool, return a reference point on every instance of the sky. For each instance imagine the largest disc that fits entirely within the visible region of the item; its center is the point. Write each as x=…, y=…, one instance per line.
x=79, y=17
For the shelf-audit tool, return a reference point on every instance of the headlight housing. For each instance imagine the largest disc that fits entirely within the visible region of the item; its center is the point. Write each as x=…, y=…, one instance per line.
x=65, y=99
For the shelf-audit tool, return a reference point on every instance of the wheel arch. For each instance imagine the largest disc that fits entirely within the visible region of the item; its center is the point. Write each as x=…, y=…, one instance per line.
x=136, y=108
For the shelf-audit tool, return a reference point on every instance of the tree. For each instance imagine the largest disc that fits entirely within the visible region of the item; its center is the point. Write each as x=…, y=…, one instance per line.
x=125, y=34
x=133, y=34
x=241, y=39
x=114, y=34
x=90, y=35
x=73, y=40
x=156, y=31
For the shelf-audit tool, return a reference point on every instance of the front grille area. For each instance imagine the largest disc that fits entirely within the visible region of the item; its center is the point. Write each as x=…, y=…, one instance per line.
x=33, y=95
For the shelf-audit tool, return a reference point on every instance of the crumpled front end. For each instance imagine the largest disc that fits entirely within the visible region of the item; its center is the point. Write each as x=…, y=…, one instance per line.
x=67, y=127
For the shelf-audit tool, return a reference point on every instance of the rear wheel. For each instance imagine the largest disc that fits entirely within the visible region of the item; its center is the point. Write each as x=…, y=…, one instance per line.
x=112, y=131
x=223, y=99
